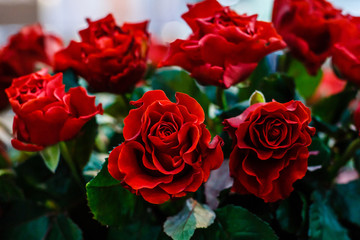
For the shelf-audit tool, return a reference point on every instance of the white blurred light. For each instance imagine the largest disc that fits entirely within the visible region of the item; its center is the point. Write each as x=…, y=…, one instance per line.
x=228, y=2
x=49, y=2
x=174, y=30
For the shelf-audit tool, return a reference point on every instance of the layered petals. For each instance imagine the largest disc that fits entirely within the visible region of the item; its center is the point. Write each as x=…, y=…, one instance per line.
x=167, y=150
x=109, y=57
x=310, y=28
x=45, y=114
x=225, y=47
x=31, y=45
x=270, y=148
x=346, y=58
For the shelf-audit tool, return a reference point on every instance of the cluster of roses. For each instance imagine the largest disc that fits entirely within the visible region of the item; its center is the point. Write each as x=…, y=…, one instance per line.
x=315, y=30
x=23, y=51
x=167, y=150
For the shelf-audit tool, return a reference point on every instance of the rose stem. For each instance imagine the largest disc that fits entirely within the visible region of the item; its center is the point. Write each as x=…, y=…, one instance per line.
x=349, y=152
x=221, y=98
x=66, y=155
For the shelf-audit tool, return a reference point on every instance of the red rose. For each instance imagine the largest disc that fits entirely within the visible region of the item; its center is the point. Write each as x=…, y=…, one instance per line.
x=346, y=52
x=23, y=51
x=45, y=114
x=346, y=58
x=109, y=57
x=270, y=148
x=309, y=28
x=167, y=150
x=225, y=47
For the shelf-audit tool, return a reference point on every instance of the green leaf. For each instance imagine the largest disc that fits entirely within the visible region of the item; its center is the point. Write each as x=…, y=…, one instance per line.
x=322, y=126
x=80, y=148
x=305, y=83
x=279, y=87
x=332, y=108
x=175, y=80
x=262, y=70
x=194, y=215
x=63, y=228
x=323, y=223
x=70, y=79
x=114, y=105
x=110, y=203
x=18, y=213
x=94, y=166
x=51, y=157
x=320, y=153
x=9, y=191
x=292, y=213
x=7, y=172
x=346, y=198
x=239, y=223
x=33, y=230
x=257, y=97
x=234, y=110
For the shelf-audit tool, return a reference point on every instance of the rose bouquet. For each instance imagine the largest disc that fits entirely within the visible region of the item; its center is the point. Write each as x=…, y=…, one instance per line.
x=244, y=130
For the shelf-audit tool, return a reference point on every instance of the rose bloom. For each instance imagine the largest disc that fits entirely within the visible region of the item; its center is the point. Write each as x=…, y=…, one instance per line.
x=167, y=150
x=310, y=28
x=225, y=47
x=346, y=53
x=270, y=148
x=44, y=113
x=346, y=59
x=21, y=54
x=110, y=58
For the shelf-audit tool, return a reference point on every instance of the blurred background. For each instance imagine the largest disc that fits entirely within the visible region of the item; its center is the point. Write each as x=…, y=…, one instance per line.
x=67, y=17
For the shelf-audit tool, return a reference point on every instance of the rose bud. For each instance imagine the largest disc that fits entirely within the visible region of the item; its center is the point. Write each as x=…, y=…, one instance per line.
x=109, y=57
x=21, y=54
x=167, y=150
x=44, y=113
x=225, y=47
x=310, y=28
x=270, y=148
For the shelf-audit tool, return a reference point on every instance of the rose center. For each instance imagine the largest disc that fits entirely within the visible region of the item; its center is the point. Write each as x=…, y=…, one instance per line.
x=164, y=130
x=32, y=89
x=274, y=130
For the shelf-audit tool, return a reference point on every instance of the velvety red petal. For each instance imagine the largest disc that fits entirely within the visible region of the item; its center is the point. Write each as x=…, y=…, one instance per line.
x=134, y=175
x=133, y=121
x=113, y=163
x=155, y=195
x=81, y=104
x=237, y=72
x=179, y=184
x=202, y=9
x=25, y=146
x=191, y=104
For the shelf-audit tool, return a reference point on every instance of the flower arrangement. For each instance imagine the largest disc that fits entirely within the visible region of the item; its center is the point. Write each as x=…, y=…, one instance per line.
x=241, y=131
